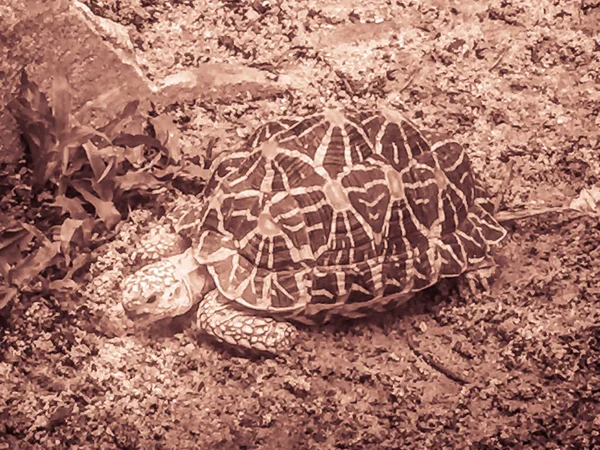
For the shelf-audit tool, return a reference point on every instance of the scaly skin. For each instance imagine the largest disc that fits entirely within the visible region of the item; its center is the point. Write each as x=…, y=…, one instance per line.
x=218, y=317
x=172, y=286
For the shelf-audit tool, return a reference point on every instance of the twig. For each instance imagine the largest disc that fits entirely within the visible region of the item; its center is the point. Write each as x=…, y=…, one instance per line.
x=507, y=216
x=504, y=187
x=499, y=59
x=347, y=87
x=587, y=203
x=435, y=363
x=410, y=79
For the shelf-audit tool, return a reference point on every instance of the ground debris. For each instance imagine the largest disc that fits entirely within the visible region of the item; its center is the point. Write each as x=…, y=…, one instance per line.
x=512, y=81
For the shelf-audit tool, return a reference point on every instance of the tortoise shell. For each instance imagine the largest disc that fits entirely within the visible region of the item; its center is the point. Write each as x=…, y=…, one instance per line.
x=339, y=214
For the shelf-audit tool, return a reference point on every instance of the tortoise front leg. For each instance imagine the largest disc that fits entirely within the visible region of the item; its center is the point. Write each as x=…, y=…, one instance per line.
x=218, y=317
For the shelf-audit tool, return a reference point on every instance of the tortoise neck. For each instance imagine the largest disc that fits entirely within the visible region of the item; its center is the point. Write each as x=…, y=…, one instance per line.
x=196, y=275
x=209, y=283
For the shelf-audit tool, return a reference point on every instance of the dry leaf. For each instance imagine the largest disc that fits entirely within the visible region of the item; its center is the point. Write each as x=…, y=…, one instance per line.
x=60, y=415
x=588, y=201
x=193, y=171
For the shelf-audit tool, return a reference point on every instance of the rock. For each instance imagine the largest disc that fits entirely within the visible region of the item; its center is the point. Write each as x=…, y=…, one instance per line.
x=47, y=36
x=218, y=82
x=352, y=33
x=100, y=63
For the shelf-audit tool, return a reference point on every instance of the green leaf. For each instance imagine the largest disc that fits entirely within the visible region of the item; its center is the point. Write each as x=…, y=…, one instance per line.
x=67, y=230
x=104, y=173
x=72, y=206
x=22, y=111
x=77, y=161
x=168, y=134
x=133, y=140
x=9, y=237
x=83, y=133
x=137, y=180
x=94, y=159
x=12, y=244
x=37, y=137
x=79, y=262
x=7, y=294
x=36, y=99
x=35, y=232
x=135, y=155
x=105, y=186
x=37, y=123
x=61, y=96
x=64, y=285
x=114, y=125
x=105, y=209
x=88, y=228
x=34, y=264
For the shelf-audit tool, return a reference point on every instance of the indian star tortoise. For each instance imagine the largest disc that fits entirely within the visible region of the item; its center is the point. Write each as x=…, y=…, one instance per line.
x=335, y=214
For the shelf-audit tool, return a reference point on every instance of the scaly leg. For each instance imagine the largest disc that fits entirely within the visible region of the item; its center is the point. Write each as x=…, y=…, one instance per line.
x=219, y=317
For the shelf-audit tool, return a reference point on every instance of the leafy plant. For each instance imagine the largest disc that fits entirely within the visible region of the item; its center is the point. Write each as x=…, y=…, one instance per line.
x=81, y=181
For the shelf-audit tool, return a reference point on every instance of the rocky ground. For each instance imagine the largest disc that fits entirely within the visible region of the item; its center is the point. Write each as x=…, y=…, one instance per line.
x=517, y=366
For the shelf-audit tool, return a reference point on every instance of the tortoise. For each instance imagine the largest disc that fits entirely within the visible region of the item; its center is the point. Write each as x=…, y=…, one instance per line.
x=338, y=214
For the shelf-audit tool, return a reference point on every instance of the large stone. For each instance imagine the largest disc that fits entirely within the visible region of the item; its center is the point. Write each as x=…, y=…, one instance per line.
x=101, y=66
x=45, y=37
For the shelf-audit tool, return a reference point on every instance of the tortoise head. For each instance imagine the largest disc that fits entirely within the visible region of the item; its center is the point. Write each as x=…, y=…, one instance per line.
x=166, y=288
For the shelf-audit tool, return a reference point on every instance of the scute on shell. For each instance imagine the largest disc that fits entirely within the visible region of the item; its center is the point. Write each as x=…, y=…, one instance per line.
x=339, y=215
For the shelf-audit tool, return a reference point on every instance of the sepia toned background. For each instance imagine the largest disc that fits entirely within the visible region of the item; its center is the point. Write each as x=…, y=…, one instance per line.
x=517, y=83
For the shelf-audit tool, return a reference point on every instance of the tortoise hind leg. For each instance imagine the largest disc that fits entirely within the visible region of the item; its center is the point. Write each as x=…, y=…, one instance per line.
x=218, y=317
x=478, y=279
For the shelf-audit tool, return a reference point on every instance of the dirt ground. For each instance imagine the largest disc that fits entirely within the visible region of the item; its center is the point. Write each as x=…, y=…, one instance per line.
x=517, y=366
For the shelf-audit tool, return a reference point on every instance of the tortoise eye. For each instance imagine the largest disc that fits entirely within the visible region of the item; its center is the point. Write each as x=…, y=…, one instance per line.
x=152, y=298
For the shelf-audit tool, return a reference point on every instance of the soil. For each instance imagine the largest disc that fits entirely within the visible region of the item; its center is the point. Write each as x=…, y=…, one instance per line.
x=514, y=366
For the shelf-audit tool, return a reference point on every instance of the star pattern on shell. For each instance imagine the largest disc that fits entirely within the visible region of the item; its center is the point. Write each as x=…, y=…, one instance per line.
x=329, y=214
